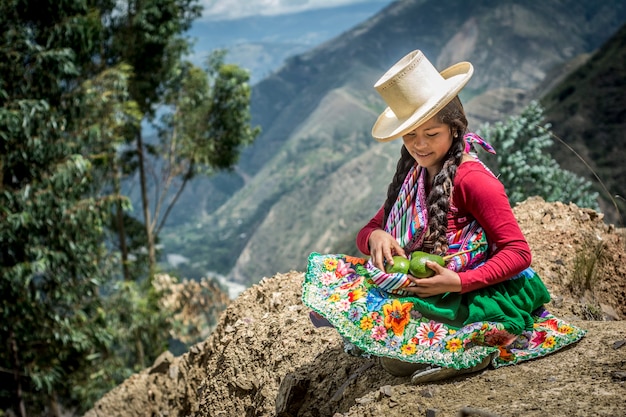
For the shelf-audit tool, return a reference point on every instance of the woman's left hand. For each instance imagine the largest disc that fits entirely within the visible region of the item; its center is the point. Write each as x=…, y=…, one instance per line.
x=445, y=280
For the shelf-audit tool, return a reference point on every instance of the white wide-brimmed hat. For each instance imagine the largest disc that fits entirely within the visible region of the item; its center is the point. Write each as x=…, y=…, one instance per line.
x=415, y=91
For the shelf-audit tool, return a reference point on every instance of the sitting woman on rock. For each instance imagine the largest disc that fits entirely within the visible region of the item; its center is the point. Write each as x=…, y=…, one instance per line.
x=480, y=303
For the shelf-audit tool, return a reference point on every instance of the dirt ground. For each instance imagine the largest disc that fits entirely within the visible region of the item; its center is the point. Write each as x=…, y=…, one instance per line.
x=266, y=359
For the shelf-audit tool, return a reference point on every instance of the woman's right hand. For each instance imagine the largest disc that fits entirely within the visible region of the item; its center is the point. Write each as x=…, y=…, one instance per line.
x=383, y=247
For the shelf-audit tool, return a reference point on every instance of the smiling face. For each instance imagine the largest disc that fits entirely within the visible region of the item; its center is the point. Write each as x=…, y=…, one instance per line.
x=429, y=144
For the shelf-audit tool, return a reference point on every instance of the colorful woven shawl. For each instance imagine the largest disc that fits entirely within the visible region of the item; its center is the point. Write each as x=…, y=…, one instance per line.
x=407, y=223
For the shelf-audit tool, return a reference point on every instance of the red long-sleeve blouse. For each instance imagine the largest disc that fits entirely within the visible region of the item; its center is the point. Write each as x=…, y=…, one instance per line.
x=478, y=195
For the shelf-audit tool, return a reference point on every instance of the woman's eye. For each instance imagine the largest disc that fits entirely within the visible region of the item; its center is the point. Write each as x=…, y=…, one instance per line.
x=432, y=135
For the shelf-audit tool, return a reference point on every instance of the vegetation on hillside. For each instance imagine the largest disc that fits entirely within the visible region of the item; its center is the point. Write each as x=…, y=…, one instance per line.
x=524, y=165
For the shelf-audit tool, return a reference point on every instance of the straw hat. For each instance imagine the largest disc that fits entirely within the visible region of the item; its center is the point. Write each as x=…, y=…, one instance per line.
x=415, y=91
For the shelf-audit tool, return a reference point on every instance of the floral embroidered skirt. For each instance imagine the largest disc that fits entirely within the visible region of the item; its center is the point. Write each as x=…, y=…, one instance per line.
x=452, y=330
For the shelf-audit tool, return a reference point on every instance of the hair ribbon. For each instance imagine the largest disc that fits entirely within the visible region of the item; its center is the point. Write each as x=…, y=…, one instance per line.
x=472, y=138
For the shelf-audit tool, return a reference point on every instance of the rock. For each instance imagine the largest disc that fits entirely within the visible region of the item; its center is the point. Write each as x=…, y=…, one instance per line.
x=162, y=363
x=618, y=375
x=428, y=392
x=290, y=396
x=385, y=391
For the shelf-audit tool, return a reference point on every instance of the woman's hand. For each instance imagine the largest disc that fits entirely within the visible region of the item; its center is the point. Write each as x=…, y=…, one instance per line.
x=445, y=280
x=383, y=247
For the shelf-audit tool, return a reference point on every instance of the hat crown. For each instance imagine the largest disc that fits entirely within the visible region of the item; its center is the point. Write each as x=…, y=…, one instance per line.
x=409, y=84
x=414, y=92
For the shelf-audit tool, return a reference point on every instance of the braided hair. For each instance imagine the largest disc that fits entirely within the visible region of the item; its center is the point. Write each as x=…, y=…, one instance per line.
x=438, y=200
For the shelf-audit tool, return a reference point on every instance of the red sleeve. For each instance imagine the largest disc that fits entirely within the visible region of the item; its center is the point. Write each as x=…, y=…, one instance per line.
x=363, y=237
x=479, y=193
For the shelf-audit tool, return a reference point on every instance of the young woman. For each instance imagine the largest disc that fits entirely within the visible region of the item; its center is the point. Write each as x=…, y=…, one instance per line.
x=485, y=306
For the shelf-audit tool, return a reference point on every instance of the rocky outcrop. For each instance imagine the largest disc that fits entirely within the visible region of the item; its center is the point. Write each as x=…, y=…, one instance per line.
x=266, y=359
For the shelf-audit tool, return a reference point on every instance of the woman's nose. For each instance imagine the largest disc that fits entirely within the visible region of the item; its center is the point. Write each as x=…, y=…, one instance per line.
x=416, y=140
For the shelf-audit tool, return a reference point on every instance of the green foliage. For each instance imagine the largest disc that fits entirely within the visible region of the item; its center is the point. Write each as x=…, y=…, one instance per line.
x=147, y=36
x=524, y=167
x=76, y=81
x=208, y=119
x=52, y=260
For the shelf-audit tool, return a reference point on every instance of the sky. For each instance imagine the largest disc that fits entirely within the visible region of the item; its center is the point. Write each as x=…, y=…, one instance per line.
x=235, y=9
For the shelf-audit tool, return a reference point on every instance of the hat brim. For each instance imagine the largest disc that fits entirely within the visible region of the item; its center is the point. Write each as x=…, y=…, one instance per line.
x=388, y=127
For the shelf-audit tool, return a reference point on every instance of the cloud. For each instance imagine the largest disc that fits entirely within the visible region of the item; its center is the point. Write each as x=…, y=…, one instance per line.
x=234, y=9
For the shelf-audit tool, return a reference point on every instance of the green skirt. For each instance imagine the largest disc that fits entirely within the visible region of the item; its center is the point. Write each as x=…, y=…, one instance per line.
x=450, y=330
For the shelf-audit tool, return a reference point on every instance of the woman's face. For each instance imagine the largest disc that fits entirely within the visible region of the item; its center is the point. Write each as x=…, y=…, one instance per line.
x=429, y=144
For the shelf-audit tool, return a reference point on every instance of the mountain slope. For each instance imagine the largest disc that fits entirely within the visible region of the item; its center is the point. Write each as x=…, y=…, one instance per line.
x=315, y=176
x=261, y=43
x=595, y=94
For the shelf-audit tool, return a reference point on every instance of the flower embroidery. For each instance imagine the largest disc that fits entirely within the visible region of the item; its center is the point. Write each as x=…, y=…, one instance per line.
x=497, y=337
x=521, y=341
x=374, y=299
x=356, y=294
x=328, y=278
x=551, y=324
x=565, y=329
x=430, y=333
x=334, y=298
x=549, y=342
x=366, y=323
x=330, y=264
x=354, y=260
x=454, y=344
x=505, y=355
x=393, y=342
x=377, y=317
x=343, y=269
x=538, y=338
x=355, y=314
x=397, y=316
x=352, y=283
x=416, y=315
x=343, y=305
x=379, y=333
x=408, y=349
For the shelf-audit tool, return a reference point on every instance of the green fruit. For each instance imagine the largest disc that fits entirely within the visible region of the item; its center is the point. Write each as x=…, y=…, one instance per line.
x=400, y=264
x=417, y=266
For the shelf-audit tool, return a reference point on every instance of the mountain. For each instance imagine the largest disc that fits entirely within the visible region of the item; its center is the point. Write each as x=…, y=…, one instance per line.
x=262, y=43
x=587, y=110
x=315, y=176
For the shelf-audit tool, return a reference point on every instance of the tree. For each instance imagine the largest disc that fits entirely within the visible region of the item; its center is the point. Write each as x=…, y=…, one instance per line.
x=204, y=124
x=77, y=79
x=56, y=120
x=147, y=34
x=525, y=169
